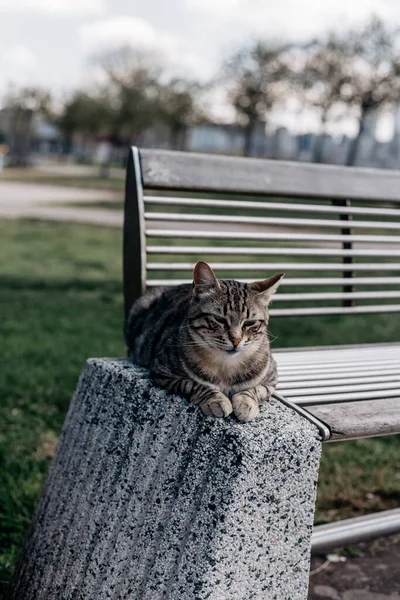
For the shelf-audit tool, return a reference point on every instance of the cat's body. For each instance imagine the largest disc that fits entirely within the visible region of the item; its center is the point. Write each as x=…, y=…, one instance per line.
x=207, y=342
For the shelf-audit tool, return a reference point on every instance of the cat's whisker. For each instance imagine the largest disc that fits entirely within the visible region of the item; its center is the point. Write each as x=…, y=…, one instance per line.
x=271, y=337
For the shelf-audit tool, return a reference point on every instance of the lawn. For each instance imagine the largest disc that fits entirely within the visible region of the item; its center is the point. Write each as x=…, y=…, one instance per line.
x=61, y=302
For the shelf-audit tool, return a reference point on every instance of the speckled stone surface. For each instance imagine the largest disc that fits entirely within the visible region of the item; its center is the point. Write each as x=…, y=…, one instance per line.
x=147, y=499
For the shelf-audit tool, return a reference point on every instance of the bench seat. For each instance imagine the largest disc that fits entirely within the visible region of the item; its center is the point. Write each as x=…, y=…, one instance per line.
x=353, y=389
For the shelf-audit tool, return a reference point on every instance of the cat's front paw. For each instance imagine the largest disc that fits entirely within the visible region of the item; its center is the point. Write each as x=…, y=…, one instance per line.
x=245, y=408
x=264, y=392
x=218, y=406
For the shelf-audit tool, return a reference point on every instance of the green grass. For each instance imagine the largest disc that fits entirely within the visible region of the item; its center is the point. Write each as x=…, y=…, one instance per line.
x=358, y=477
x=61, y=302
x=100, y=204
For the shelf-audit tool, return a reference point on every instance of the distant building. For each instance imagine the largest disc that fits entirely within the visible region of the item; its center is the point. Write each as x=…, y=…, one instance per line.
x=217, y=139
x=35, y=135
x=285, y=146
x=45, y=135
x=305, y=146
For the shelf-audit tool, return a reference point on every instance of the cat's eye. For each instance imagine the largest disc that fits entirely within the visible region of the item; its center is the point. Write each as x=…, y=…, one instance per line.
x=250, y=323
x=219, y=320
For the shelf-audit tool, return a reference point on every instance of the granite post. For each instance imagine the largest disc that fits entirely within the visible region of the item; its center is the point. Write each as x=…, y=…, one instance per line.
x=148, y=499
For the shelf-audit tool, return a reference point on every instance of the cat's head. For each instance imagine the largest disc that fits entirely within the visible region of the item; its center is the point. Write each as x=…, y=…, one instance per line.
x=228, y=315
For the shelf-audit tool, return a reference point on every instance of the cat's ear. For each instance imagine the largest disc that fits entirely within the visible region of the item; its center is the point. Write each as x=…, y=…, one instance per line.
x=203, y=278
x=267, y=287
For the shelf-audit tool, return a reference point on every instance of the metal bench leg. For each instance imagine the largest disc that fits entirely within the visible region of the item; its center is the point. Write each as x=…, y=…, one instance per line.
x=322, y=427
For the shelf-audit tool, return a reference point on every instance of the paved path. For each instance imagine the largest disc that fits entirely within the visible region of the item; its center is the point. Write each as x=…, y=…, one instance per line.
x=32, y=193
x=28, y=200
x=66, y=169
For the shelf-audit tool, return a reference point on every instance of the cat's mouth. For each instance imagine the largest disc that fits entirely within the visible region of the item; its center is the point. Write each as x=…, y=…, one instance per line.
x=234, y=350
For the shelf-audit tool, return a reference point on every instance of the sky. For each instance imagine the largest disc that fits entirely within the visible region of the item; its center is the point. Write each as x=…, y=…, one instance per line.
x=50, y=42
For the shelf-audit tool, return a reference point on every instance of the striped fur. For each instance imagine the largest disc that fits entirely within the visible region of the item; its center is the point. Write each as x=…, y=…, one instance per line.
x=207, y=342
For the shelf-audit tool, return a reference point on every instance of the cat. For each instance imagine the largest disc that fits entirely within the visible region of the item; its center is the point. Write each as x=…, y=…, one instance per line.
x=207, y=342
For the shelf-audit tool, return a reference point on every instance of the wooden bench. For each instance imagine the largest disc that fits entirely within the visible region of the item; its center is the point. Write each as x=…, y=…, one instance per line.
x=335, y=232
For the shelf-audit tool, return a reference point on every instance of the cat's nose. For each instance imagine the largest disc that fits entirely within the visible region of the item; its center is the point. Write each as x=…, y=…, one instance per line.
x=236, y=341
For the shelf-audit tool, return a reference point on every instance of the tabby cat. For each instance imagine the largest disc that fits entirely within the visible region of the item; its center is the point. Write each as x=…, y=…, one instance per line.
x=208, y=342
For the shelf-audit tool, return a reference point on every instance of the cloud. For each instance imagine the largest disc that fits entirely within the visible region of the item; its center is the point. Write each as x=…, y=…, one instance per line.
x=292, y=18
x=19, y=57
x=121, y=31
x=18, y=64
x=113, y=33
x=55, y=7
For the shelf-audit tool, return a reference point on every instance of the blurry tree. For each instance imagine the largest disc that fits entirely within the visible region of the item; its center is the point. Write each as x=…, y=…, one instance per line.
x=132, y=78
x=376, y=79
x=20, y=105
x=259, y=75
x=178, y=108
x=135, y=95
x=324, y=77
x=146, y=96
x=359, y=68
x=87, y=114
x=92, y=117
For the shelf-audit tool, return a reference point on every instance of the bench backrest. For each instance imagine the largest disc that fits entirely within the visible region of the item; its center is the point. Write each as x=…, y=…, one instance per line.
x=335, y=231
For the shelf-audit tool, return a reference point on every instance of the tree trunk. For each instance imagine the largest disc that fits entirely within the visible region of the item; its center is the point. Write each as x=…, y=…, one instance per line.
x=177, y=138
x=319, y=144
x=318, y=149
x=354, y=146
x=248, y=138
x=20, y=137
x=183, y=138
x=173, y=137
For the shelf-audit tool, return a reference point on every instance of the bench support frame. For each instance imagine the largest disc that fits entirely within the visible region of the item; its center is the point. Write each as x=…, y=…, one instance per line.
x=134, y=246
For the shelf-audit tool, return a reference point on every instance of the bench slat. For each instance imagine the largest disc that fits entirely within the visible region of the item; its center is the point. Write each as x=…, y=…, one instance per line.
x=335, y=365
x=376, y=384
x=284, y=266
x=337, y=371
x=351, y=420
x=337, y=350
x=325, y=354
x=343, y=375
x=216, y=250
x=313, y=399
x=281, y=206
x=325, y=281
x=326, y=310
x=271, y=236
x=281, y=221
x=334, y=310
x=163, y=169
x=309, y=296
x=372, y=379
